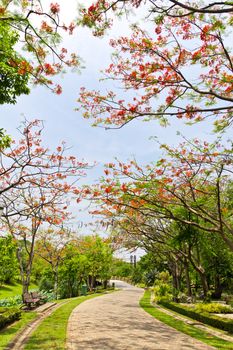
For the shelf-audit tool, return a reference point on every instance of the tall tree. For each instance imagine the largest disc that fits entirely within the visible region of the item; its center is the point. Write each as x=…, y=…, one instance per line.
x=194, y=176
x=36, y=187
x=8, y=262
x=152, y=66
x=39, y=28
x=50, y=246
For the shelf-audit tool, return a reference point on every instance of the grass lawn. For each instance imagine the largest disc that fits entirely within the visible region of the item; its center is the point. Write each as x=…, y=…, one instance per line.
x=8, y=333
x=10, y=290
x=182, y=326
x=51, y=333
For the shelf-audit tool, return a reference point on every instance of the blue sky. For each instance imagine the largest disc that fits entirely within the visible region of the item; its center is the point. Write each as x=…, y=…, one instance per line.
x=63, y=123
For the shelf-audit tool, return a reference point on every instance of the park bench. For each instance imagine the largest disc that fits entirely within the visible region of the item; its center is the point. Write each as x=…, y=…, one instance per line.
x=37, y=295
x=33, y=299
x=30, y=301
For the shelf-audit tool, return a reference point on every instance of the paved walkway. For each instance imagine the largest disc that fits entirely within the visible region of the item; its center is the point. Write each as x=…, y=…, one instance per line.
x=116, y=322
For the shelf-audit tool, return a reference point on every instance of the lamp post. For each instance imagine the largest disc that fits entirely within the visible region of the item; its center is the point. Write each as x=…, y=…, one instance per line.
x=133, y=260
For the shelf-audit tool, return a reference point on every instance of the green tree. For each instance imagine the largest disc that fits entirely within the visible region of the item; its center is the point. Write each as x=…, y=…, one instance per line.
x=121, y=268
x=14, y=69
x=72, y=272
x=39, y=27
x=8, y=262
x=99, y=256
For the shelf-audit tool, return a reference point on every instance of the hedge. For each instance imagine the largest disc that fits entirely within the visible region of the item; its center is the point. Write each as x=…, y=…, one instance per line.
x=211, y=320
x=8, y=315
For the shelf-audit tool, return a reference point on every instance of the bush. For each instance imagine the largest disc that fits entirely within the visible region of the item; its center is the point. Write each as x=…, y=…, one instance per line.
x=211, y=320
x=13, y=301
x=46, y=283
x=162, y=288
x=47, y=296
x=213, y=308
x=8, y=315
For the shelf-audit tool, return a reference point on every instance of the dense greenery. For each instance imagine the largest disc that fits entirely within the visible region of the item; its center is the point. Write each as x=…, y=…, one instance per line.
x=8, y=261
x=204, y=317
x=8, y=333
x=14, y=74
x=8, y=315
x=182, y=326
x=83, y=262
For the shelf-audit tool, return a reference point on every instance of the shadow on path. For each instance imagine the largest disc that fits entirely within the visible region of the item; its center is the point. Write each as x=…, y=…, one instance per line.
x=116, y=322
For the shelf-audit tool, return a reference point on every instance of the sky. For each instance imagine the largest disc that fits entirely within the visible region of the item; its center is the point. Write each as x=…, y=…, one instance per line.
x=62, y=122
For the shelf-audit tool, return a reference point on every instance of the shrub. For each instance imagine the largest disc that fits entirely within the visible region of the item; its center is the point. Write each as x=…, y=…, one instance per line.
x=47, y=296
x=8, y=315
x=12, y=301
x=46, y=283
x=213, y=308
x=162, y=288
x=211, y=320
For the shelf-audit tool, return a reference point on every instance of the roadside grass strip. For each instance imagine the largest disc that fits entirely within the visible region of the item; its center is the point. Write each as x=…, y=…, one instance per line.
x=8, y=333
x=182, y=326
x=51, y=333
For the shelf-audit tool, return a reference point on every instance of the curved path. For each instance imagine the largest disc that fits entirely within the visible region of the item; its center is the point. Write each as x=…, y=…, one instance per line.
x=116, y=322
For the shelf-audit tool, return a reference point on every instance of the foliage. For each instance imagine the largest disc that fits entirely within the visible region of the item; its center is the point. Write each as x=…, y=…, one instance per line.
x=14, y=74
x=152, y=67
x=46, y=281
x=183, y=326
x=8, y=333
x=12, y=301
x=99, y=15
x=47, y=296
x=214, y=321
x=50, y=247
x=81, y=261
x=38, y=29
x=37, y=185
x=8, y=315
x=213, y=308
x=98, y=253
x=137, y=275
x=72, y=273
x=8, y=261
x=121, y=268
x=5, y=140
x=190, y=185
x=162, y=288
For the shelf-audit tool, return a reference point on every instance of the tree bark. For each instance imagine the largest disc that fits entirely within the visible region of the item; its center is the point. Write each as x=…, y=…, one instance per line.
x=187, y=278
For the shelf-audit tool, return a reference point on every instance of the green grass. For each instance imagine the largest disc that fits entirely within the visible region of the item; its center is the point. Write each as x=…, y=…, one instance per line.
x=182, y=326
x=51, y=333
x=8, y=333
x=10, y=290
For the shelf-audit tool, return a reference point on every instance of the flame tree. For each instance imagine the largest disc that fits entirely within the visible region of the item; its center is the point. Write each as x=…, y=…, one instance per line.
x=180, y=68
x=38, y=28
x=36, y=188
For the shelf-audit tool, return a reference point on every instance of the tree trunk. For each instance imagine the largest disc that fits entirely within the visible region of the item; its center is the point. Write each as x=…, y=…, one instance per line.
x=174, y=269
x=55, y=274
x=204, y=283
x=201, y=271
x=90, y=285
x=24, y=280
x=217, y=288
x=187, y=278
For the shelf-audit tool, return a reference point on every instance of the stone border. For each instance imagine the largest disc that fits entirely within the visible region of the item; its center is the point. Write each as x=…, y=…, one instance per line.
x=22, y=336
